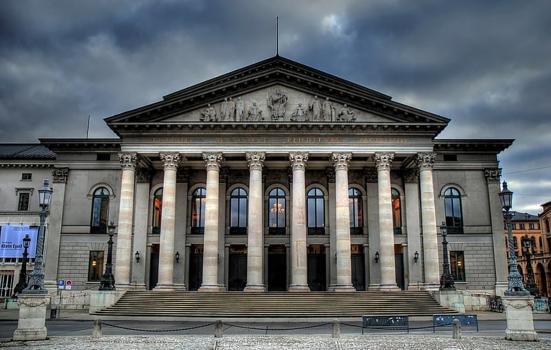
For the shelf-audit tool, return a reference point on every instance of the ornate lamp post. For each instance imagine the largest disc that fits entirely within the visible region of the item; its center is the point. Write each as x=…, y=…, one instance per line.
x=107, y=280
x=446, y=280
x=515, y=285
x=23, y=273
x=527, y=252
x=36, y=279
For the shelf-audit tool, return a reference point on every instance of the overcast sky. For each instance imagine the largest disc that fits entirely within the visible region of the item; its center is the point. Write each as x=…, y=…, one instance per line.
x=486, y=65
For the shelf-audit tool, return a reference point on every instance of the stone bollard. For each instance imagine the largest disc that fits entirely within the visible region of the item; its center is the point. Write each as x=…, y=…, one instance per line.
x=96, y=333
x=218, y=329
x=456, y=324
x=336, y=329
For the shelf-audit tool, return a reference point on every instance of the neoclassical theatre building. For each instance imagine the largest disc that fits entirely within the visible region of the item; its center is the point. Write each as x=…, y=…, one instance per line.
x=274, y=177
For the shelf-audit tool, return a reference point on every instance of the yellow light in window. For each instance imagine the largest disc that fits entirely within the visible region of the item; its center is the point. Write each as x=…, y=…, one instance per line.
x=94, y=263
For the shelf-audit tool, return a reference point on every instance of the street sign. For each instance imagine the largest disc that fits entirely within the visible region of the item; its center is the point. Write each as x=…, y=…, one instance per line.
x=61, y=284
x=68, y=284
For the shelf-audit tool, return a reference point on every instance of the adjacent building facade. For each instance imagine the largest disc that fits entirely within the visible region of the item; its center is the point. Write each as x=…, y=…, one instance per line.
x=274, y=177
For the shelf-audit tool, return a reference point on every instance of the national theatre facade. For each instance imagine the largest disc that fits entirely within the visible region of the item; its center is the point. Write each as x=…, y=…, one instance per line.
x=274, y=177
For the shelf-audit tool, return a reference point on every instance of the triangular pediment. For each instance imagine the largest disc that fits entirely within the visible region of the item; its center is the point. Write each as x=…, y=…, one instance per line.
x=277, y=90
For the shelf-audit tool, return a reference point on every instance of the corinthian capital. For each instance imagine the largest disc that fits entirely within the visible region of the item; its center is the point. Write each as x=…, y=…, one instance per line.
x=128, y=160
x=298, y=160
x=383, y=160
x=425, y=160
x=170, y=160
x=212, y=160
x=341, y=160
x=255, y=160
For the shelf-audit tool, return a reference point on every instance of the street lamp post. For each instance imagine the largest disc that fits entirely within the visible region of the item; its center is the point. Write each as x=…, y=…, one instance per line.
x=108, y=280
x=36, y=279
x=515, y=285
x=23, y=273
x=527, y=252
x=446, y=280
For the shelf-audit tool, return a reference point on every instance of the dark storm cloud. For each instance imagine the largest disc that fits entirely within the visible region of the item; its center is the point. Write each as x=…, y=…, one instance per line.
x=484, y=64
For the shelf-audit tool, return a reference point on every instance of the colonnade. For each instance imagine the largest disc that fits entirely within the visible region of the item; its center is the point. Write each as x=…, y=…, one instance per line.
x=255, y=238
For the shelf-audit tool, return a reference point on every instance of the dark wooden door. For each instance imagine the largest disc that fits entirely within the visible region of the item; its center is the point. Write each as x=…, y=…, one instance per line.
x=358, y=271
x=316, y=268
x=195, y=267
x=399, y=261
x=277, y=269
x=154, y=266
x=237, y=271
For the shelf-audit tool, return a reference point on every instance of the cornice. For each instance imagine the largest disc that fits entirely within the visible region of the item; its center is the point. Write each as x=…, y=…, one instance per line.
x=27, y=164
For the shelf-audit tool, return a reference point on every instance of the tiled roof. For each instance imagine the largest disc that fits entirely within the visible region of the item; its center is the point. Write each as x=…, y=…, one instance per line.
x=25, y=151
x=524, y=216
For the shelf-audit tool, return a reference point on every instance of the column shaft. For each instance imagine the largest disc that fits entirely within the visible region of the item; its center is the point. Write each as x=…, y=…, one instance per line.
x=255, y=241
x=168, y=216
x=344, y=258
x=386, y=230
x=413, y=231
x=428, y=215
x=210, y=248
x=299, y=268
x=126, y=211
x=140, y=228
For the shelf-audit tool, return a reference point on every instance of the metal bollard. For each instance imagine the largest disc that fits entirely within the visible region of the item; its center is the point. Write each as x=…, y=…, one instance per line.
x=456, y=324
x=218, y=329
x=336, y=329
x=96, y=333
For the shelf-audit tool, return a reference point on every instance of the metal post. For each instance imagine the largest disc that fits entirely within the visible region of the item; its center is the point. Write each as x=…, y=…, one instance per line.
x=531, y=283
x=336, y=329
x=97, y=333
x=218, y=329
x=456, y=329
x=446, y=280
x=515, y=286
x=22, y=284
x=108, y=280
x=36, y=279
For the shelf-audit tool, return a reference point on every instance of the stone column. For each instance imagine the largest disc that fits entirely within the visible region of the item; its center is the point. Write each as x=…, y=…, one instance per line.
x=299, y=268
x=168, y=217
x=126, y=216
x=143, y=177
x=425, y=162
x=342, y=224
x=330, y=174
x=374, y=280
x=411, y=179
x=210, y=249
x=182, y=181
x=498, y=238
x=255, y=234
x=55, y=221
x=386, y=230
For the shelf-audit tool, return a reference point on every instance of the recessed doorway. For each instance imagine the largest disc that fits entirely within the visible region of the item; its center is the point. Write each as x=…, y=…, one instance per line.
x=316, y=267
x=277, y=268
x=195, y=266
x=237, y=269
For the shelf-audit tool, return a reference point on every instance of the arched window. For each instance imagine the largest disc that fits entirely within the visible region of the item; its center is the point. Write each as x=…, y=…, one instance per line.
x=452, y=205
x=238, y=211
x=276, y=214
x=316, y=212
x=547, y=228
x=198, y=199
x=356, y=211
x=396, y=212
x=100, y=210
x=157, y=211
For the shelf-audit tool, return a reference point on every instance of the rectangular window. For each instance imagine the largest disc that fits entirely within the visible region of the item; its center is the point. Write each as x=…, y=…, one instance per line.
x=103, y=156
x=532, y=226
x=522, y=226
x=26, y=177
x=95, y=265
x=457, y=265
x=23, y=204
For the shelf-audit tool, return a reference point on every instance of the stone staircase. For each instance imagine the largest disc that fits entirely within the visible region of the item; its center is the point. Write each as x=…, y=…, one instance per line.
x=273, y=304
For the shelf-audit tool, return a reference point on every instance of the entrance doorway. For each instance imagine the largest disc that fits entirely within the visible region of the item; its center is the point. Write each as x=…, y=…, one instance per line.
x=154, y=266
x=399, y=261
x=195, y=266
x=237, y=269
x=316, y=267
x=358, y=267
x=277, y=268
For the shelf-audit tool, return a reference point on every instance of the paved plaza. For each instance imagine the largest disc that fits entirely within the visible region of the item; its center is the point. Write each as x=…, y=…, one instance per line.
x=402, y=341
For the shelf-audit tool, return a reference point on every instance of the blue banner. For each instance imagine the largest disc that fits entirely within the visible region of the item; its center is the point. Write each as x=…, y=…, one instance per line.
x=11, y=240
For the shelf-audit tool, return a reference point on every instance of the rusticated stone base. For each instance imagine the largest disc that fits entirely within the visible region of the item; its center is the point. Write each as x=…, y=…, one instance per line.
x=520, y=321
x=32, y=317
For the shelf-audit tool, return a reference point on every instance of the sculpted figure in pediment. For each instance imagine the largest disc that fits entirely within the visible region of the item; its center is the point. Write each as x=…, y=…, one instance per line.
x=299, y=114
x=315, y=108
x=276, y=104
x=327, y=110
x=346, y=114
x=239, y=110
x=254, y=113
x=208, y=114
x=227, y=109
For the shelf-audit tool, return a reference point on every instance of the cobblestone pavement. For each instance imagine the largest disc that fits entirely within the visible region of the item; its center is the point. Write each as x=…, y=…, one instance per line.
x=321, y=342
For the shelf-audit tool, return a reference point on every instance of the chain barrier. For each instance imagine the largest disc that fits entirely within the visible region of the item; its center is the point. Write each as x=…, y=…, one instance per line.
x=266, y=329
x=158, y=330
